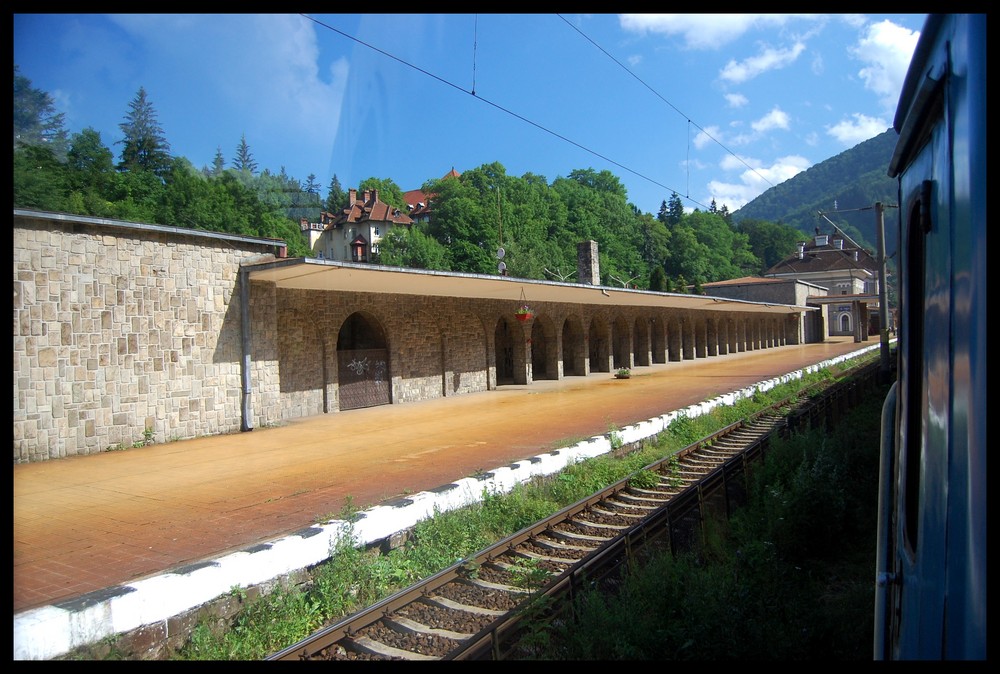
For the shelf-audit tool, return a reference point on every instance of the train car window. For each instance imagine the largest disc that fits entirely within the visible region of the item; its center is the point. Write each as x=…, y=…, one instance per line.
x=917, y=226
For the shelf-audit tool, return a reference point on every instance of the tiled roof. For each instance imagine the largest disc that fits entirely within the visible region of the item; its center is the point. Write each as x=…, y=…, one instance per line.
x=370, y=208
x=824, y=258
x=746, y=280
x=419, y=202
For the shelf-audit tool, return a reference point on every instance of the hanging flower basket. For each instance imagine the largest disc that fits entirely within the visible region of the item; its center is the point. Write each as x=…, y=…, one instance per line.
x=523, y=313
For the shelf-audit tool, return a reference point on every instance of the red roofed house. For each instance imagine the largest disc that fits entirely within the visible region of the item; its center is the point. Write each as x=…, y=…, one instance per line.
x=419, y=204
x=353, y=234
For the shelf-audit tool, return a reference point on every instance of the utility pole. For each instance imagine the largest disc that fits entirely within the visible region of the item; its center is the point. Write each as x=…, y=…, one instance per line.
x=883, y=304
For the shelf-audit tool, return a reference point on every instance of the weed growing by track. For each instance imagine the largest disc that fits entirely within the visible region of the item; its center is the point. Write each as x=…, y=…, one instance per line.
x=355, y=577
x=789, y=577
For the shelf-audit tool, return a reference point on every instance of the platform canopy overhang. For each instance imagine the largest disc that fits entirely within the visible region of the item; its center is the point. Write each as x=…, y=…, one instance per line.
x=329, y=275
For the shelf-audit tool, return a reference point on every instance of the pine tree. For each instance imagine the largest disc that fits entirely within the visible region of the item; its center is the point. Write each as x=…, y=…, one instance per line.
x=145, y=147
x=244, y=160
x=675, y=209
x=311, y=186
x=36, y=121
x=219, y=163
x=664, y=213
x=336, y=198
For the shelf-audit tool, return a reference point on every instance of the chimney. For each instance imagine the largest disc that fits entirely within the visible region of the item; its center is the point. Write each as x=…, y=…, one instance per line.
x=366, y=195
x=374, y=195
x=588, y=264
x=802, y=250
x=354, y=196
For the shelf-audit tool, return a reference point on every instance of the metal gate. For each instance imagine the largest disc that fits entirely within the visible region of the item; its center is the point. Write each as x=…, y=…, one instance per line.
x=364, y=378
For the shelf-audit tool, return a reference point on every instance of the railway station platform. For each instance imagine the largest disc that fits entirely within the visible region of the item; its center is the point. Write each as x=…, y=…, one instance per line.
x=107, y=542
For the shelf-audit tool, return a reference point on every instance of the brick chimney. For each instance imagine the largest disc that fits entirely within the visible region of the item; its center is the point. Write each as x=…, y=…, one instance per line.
x=588, y=266
x=354, y=196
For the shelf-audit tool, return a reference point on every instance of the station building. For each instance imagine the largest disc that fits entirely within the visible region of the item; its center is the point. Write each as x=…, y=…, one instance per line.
x=128, y=333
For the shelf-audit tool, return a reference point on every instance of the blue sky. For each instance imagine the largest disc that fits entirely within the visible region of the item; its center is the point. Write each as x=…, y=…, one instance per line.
x=711, y=106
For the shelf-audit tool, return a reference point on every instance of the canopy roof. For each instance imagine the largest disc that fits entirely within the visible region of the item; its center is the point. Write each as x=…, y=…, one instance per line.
x=312, y=274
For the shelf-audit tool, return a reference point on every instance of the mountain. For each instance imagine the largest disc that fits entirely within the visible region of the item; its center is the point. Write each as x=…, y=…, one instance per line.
x=852, y=180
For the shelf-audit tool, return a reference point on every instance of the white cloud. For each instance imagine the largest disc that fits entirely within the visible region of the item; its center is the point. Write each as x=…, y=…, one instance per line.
x=753, y=181
x=887, y=49
x=265, y=65
x=768, y=59
x=736, y=100
x=850, y=133
x=706, y=136
x=775, y=119
x=704, y=31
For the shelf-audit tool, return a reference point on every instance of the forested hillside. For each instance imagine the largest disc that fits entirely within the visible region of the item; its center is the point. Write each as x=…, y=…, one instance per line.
x=536, y=221
x=852, y=180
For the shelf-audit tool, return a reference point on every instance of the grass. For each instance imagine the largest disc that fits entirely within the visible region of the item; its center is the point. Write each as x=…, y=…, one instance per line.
x=355, y=577
x=789, y=577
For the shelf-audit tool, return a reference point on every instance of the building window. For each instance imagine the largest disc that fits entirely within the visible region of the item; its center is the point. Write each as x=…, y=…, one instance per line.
x=376, y=231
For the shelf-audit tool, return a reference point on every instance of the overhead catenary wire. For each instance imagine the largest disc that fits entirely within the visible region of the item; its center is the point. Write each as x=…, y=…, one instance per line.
x=499, y=107
x=658, y=95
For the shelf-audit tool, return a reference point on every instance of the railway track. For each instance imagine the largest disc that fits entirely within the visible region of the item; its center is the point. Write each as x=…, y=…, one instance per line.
x=483, y=606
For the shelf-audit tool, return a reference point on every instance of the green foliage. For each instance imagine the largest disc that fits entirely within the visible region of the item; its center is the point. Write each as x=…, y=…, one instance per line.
x=40, y=180
x=144, y=147
x=244, y=160
x=786, y=579
x=528, y=574
x=388, y=191
x=770, y=242
x=412, y=247
x=354, y=577
x=336, y=197
x=854, y=179
x=36, y=122
x=644, y=479
x=538, y=223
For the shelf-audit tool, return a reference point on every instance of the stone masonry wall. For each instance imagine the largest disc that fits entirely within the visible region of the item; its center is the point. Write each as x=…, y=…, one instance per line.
x=128, y=334
x=123, y=336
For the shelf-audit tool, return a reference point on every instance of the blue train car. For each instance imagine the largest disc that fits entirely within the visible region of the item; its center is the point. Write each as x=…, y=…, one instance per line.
x=931, y=569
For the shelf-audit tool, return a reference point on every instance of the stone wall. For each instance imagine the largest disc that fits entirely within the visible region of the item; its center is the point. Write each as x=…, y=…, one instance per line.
x=123, y=334
x=126, y=334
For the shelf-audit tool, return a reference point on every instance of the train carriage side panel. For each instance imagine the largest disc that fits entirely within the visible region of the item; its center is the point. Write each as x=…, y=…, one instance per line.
x=933, y=605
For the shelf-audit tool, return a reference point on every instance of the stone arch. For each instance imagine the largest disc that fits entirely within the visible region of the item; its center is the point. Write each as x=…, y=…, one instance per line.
x=503, y=348
x=621, y=340
x=544, y=347
x=658, y=330
x=675, y=338
x=699, y=328
x=599, y=345
x=363, y=365
x=640, y=340
x=574, y=348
